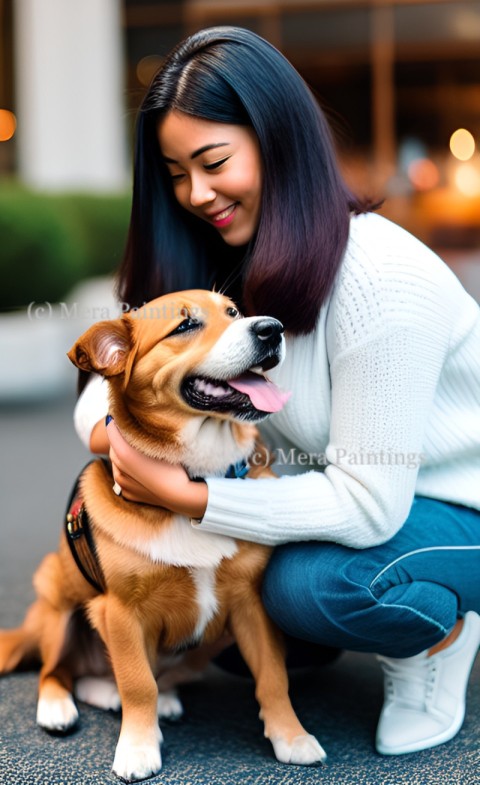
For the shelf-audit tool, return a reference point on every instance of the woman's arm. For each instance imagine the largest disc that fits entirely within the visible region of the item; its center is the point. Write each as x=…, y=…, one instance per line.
x=382, y=397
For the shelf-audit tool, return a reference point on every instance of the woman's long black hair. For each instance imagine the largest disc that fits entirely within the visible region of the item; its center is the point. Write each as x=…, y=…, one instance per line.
x=231, y=75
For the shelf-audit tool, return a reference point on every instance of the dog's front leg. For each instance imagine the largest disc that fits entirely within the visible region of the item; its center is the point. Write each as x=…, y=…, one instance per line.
x=138, y=750
x=261, y=646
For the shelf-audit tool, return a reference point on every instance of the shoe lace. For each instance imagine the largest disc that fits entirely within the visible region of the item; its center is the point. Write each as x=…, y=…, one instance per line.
x=409, y=683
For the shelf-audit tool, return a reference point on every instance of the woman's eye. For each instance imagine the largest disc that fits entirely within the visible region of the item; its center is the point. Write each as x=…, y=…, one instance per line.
x=177, y=177
x=187, y=324
x=216, y=164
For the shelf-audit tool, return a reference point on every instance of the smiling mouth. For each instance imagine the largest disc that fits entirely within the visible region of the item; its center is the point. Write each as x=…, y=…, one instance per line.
x=219, y=219
x=225, y=213
x=249, y=396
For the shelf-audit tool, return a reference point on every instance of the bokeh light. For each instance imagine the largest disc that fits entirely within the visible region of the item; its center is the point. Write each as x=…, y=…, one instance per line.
x=423, y=174
x=462, y=144
x=8, y=124
x=467, y=179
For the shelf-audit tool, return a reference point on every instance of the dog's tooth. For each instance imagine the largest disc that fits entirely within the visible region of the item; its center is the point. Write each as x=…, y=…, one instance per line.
x=208, y=388
x=214, y=390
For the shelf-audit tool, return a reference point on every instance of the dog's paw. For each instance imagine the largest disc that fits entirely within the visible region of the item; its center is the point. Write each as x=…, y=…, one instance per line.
x=99, y=692
x=303, y=750
x=57, y=715
x=137, y=761
x=169, y=706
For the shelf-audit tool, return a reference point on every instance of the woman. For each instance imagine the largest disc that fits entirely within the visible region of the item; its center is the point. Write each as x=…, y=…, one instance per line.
x=377, y=510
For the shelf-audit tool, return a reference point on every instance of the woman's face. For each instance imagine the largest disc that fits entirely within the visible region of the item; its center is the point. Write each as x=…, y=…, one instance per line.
x=216, y=172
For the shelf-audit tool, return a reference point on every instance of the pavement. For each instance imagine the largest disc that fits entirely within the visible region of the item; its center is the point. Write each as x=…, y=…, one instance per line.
x=40, y=455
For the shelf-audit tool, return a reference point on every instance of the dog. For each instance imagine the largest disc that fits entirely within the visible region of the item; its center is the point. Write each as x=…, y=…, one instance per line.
x=186, y=385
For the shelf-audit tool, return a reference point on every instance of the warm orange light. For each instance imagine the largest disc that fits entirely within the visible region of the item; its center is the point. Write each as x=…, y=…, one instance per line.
x=8, y=124
x=423, y=174
x=467, y=179
x=462, y=144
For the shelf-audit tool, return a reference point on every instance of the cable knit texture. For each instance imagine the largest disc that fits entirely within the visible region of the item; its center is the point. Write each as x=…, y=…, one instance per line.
x=385, y=404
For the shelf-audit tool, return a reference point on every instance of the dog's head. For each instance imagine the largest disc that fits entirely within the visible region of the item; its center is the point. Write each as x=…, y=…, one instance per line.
x=181, y=362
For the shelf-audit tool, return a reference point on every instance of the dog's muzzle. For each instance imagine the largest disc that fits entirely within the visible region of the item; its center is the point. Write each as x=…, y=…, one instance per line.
x=248, y=349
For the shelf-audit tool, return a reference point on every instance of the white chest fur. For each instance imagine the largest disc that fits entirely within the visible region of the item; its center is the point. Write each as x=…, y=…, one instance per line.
x=204, y=580
x=182, y=545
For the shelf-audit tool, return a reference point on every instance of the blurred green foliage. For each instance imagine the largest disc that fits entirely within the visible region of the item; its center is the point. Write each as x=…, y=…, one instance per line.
x=50, y=242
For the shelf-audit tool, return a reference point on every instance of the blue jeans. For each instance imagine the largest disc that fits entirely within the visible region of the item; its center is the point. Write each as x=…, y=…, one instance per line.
x=395, y=599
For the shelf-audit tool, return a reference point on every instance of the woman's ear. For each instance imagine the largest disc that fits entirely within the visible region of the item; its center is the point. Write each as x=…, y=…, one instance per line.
x=104, y=348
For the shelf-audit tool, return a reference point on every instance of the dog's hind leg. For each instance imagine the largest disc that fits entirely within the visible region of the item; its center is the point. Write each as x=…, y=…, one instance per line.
x=44, y=633
x=183, y=668
x=261, y=646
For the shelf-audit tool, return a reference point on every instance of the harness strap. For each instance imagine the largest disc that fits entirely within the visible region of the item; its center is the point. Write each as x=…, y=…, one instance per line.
x=80, y=541
x=82, y=546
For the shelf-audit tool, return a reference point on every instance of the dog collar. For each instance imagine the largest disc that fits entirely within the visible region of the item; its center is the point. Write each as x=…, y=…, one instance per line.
x=237, y=471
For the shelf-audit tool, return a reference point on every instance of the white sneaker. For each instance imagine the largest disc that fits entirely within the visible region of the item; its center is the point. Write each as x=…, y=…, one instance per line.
x=425, y=696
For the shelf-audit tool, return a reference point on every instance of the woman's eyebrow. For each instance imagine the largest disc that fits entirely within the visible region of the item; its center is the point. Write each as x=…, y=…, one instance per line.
x=198, y=152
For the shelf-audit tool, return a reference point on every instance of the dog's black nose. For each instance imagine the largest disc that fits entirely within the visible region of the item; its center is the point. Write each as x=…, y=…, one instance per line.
x=268, y=329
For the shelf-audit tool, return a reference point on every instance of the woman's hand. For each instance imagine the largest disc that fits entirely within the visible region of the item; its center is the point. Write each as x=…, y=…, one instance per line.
x=151, y=481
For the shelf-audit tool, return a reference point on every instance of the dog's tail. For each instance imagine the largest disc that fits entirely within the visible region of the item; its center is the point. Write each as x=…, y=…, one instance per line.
x=21, y=646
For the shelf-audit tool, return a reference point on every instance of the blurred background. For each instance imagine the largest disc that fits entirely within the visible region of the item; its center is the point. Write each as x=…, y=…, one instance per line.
x=399, y=80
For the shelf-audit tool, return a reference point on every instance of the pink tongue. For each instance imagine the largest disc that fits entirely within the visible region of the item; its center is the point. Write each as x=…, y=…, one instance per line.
x=265, y=396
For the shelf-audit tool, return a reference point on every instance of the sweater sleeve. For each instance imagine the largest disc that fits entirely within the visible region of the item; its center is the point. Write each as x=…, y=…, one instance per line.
x=389, y=348
x=91, y=407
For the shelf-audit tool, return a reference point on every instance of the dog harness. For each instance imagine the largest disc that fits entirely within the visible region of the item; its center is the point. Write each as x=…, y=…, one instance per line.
x=80, y=540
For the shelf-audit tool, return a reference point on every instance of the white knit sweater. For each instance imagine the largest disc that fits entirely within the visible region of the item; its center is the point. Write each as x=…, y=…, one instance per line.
x=385, y=404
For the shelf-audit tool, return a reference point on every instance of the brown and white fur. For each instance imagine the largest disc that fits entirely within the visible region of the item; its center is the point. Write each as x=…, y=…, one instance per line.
x=169, y=585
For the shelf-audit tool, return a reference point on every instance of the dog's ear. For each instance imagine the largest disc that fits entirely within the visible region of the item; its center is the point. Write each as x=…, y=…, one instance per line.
x=104, y=348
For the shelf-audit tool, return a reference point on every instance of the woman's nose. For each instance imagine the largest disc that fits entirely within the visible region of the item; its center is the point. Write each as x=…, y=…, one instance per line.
x=201, y=191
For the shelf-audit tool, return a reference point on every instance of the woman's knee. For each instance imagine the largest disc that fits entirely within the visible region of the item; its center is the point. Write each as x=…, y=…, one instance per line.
x=310, y=590
x=322, y=592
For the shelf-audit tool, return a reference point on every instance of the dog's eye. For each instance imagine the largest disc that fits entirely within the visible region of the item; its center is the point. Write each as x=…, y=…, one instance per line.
x=232, y=312
x=188, y=324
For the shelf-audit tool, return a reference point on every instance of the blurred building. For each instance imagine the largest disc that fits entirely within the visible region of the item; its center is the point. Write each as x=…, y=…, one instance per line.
x=62, y=77
x=397, y=77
